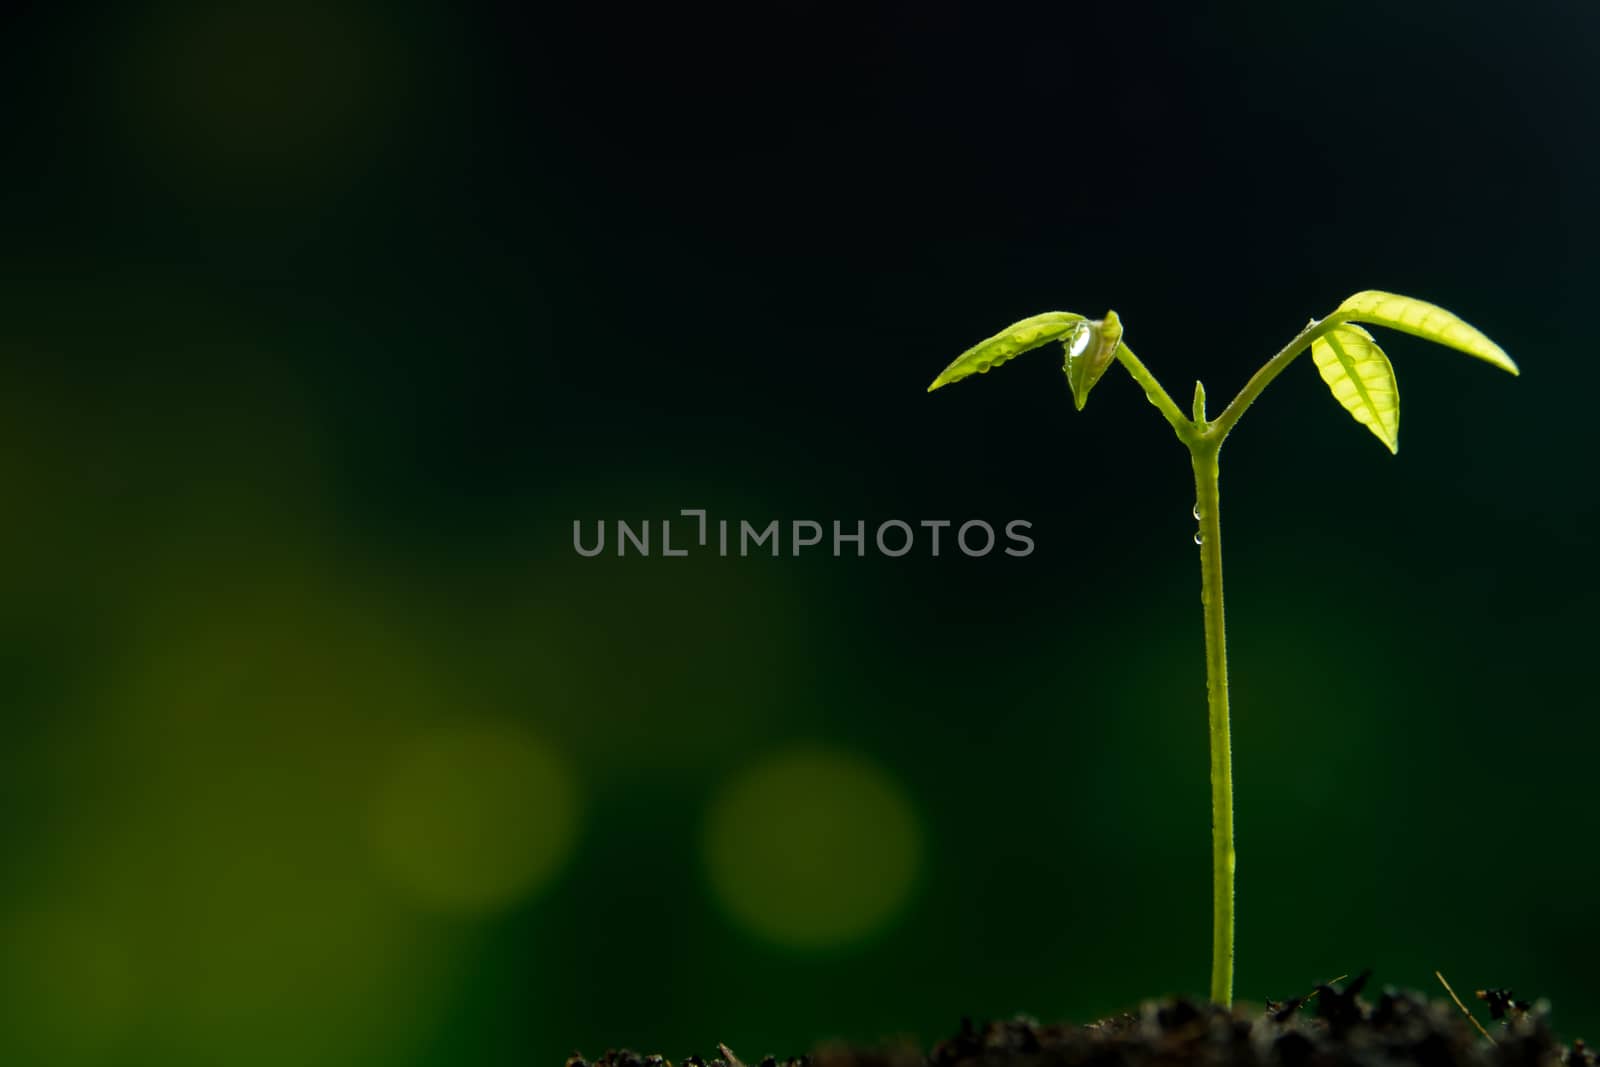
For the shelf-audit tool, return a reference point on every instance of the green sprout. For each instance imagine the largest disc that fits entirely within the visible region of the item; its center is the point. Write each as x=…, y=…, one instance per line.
x=1362, y=381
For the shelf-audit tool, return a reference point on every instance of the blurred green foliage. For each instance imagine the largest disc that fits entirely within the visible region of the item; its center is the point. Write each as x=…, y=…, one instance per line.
x=321, y=323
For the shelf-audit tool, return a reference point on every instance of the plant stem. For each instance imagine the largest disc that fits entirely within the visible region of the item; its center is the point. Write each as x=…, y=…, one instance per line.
x=1153, y=391
x=1271, y=369
x=1204, y=456
x=1204, y=440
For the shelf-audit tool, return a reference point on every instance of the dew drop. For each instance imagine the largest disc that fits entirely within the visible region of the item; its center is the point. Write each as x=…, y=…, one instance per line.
x=1081, y=336
x=1199, y=538
x=1197, y=511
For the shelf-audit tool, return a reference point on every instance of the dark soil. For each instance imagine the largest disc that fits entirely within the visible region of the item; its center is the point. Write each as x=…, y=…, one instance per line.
x=1331, y=1027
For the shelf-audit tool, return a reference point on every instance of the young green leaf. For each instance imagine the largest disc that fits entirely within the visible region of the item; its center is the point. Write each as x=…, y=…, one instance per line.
x=1428, y=321
x=1090, y=350
x=1362, y=380
x=1012, y=341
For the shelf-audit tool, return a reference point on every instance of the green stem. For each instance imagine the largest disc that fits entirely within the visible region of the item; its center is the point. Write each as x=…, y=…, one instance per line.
x=1204, y=440
x=1157, y=395
x=1204, y=455
x=1271, y=369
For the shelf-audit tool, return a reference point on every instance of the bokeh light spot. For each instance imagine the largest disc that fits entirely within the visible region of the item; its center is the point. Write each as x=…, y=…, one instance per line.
x=812, y=848
x=472, y=818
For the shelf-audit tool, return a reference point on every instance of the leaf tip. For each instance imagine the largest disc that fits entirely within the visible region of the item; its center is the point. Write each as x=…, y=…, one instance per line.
x=1498, y=357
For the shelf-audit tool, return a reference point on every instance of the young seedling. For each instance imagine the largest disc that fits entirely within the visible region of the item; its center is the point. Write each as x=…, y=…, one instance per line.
x=1355, y=369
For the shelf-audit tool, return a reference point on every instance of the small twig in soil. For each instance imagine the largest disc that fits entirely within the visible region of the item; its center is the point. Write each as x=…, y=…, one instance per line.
x=1470, y=1018
x=1309, y=997
x=1284, y=1011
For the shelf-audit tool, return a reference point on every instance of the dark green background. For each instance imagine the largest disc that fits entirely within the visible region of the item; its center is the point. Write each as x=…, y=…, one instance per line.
x=320, y=324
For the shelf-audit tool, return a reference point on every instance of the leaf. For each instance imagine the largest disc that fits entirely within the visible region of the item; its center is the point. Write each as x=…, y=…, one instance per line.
x=1428, y=321
x=1010, y=342
x=1090, y=350
x=1362, y=380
